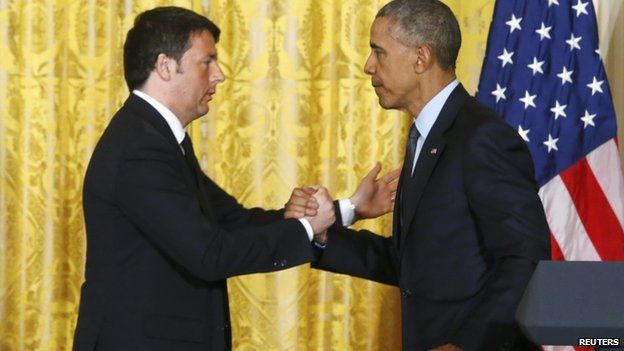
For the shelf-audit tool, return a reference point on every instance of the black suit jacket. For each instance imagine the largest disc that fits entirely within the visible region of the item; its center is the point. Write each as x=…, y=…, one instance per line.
x=473, y=230
x=161, y=240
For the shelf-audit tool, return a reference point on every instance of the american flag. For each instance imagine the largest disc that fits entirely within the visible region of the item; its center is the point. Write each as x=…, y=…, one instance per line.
x=544, y=74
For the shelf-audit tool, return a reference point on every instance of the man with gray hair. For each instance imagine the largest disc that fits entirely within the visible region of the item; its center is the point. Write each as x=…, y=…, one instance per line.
x=469, y=227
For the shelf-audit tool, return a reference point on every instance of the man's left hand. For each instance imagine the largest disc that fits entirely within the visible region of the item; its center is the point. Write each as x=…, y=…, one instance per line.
x=375, y=197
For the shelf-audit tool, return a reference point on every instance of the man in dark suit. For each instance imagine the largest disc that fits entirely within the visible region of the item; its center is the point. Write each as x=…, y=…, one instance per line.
x=468, y=226
x=162, y=237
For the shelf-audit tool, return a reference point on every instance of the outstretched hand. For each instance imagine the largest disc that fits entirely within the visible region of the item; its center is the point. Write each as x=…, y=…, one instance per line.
x=375, y=197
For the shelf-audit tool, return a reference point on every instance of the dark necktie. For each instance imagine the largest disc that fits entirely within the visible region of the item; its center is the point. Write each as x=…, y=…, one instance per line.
x=189, y=156
x=410, y=151
x=412, y=140
x=191, y=161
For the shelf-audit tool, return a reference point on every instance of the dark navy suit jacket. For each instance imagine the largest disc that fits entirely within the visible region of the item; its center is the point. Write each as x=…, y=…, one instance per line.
x=161, y=240
x=473, y=230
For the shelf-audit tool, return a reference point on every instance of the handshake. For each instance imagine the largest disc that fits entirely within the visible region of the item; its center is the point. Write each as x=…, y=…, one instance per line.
x=372, y=198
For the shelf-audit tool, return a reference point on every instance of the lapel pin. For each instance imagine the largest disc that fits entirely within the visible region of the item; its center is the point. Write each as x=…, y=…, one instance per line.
x=434, y=151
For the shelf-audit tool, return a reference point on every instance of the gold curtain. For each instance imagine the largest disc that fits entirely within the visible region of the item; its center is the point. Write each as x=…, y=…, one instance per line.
x=296, y=109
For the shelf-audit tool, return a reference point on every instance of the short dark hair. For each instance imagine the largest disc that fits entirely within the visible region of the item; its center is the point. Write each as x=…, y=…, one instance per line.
x=162, y=30
x=428, y=22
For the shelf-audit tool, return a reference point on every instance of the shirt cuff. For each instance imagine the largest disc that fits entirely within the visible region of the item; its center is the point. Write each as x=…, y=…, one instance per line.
x=308, y=227
x=347, y=211
x=319, y=245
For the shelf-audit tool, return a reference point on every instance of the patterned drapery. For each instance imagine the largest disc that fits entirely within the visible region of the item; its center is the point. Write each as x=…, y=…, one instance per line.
x=296, y=109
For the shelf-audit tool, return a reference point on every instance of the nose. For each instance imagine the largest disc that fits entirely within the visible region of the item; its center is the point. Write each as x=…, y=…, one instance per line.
x=369, y=66
x=218, y=75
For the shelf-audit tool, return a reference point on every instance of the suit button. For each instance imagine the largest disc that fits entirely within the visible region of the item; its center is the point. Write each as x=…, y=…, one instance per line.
x=275, y=264
x=283, y=263
x=406, y=293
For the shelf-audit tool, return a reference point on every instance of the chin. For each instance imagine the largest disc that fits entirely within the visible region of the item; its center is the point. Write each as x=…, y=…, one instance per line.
x=385, y=104
x=204, y=110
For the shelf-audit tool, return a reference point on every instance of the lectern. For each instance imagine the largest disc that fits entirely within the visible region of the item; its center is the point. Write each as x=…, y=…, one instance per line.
x=575, y=303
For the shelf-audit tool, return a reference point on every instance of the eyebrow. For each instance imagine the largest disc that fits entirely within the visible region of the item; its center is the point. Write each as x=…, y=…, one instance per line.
x=376, y=47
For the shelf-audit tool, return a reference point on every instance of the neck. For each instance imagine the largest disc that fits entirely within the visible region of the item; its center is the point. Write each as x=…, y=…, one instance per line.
x=167, y=99
x=428, y=87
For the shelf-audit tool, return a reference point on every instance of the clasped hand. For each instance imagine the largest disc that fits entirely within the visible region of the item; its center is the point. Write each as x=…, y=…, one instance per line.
x=372, y=198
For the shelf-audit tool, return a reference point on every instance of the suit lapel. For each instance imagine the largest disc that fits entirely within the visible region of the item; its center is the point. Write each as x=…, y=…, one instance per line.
x=149, y=114
x=398, y=208
x=193, y=176
x=432, y=150
x=199, y=177
x=415, y=185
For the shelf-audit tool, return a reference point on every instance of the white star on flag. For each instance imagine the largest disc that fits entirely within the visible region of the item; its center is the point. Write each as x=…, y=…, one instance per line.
x=544, y=32
x=597, y=51
x=505, y=57
x=558, y=110
x=574, y=42
x=580, y=8
x=565, y=75
x=536, y=66
x=551, y=143
x=588, y=120
x=499, y=93
x=550, y=2
x=514, y=23
x=524, y=133
x=528, y=100
x=595, y=85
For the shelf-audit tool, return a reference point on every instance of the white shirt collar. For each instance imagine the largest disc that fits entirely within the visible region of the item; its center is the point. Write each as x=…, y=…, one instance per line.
x=173, y=121
x=429, y=114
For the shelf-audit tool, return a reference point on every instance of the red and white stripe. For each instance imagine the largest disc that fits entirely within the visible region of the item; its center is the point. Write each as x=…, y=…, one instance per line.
x=584, y=207
x=567, y=348
x=585, y=210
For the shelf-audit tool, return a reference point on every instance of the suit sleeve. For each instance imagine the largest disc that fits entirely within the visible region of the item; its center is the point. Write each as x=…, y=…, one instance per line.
x=232, y=215
x=358, y=253
x=151, y=192
x=508, y=213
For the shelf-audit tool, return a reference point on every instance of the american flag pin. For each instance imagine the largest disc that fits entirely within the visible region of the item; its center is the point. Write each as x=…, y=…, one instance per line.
x=434, y=151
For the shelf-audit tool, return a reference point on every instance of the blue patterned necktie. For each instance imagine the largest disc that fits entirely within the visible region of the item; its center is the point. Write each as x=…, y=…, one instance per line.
x=407, y=170
x=411, y=147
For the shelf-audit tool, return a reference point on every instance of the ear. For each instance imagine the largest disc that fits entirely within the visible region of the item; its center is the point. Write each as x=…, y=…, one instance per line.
x=164, y=67
x=423, y=58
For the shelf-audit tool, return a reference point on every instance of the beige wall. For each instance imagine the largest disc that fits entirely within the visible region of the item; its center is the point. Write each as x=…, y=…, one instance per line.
x=610, y=15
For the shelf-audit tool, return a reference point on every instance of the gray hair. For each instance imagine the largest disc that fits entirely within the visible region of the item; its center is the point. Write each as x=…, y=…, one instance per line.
x=428, y=22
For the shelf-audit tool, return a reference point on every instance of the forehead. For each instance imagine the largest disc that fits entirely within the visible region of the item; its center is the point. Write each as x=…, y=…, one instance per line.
x=381, y=31
x=381, y=27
